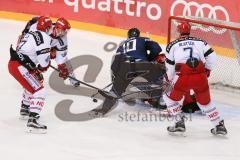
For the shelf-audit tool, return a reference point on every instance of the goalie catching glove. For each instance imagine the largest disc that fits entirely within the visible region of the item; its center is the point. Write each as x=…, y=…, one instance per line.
x=63, y=71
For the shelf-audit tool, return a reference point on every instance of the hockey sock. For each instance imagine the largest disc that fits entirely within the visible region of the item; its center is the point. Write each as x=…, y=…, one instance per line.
x=173, y=107
x=211, y=112
x=37, y=101
x=26, y=97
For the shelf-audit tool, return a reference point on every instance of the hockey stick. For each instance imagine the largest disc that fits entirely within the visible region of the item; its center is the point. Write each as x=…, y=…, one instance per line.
x=92, y=96
x=100, y=91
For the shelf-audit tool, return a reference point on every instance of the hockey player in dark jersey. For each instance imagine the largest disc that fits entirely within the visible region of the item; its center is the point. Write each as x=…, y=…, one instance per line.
x=137, y=57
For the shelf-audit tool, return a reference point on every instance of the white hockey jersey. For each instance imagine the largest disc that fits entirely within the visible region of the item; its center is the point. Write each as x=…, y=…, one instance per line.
x=60, y=45
x=180, y=50
x=37, y=46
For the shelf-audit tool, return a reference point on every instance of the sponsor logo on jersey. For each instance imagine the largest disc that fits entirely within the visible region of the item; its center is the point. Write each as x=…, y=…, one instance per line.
x=37, y=37
x=31, y=80
x=44, y=51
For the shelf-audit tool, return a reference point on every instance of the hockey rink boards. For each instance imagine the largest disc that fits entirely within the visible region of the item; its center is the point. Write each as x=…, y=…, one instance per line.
x=110, y=138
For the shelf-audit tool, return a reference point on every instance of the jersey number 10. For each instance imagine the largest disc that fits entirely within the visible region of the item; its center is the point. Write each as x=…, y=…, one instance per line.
x=130, y=46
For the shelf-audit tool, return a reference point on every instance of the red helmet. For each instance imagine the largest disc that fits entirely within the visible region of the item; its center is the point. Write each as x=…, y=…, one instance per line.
x=184, y=28
x=61, y=27
x=44, y=23
x=63, y=24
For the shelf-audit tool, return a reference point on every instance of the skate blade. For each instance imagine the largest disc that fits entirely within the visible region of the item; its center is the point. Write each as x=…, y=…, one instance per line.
x=36, y=131
x=23, y=117
x=220, y=134
x=177, y=134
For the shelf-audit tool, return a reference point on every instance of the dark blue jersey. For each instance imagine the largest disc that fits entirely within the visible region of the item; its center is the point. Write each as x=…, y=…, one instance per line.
x=140, y=48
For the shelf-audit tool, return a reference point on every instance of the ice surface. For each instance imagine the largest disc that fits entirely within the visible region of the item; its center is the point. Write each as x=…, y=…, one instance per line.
x=107, y=138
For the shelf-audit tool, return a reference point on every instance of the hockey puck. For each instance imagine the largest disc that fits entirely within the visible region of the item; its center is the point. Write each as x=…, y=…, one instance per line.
x=94, y=100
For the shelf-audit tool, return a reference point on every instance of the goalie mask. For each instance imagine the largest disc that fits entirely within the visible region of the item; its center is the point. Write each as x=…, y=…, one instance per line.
x=133, y=32
x=61, y=27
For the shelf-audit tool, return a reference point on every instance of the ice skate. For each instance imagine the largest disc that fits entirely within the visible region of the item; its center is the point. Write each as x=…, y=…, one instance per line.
x=178, y=128
x=24, y=112
x=34, y=127
x=219, y=129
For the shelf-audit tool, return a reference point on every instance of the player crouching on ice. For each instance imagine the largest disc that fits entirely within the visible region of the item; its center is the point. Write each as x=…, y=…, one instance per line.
x=31, y=58
x=137, y=57
x=189, y=61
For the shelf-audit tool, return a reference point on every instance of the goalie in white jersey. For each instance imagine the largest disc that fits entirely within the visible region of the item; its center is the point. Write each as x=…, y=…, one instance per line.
x=31, y=58
x=189, y=61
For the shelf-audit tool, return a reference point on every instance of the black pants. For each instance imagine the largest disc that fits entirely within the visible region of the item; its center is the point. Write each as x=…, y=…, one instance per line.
x=124, y=71
x=127, y=71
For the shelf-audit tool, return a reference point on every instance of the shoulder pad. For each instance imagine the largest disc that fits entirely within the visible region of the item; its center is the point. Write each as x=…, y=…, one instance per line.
x=169, y=46
x=38, y=37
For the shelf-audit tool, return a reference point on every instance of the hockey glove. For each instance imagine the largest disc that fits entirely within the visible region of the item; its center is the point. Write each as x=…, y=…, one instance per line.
x=63, y=71
x=43, y=69
x=207, y=72
x=160, y=58
x=38, y=75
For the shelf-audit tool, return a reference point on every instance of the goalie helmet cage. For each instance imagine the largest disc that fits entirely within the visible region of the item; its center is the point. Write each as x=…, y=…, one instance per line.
x=224, y=38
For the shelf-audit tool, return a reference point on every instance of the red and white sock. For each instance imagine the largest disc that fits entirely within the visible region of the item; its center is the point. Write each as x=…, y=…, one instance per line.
x=173, y=107
x=37, y=101
x=211, y=112
x=26, y=97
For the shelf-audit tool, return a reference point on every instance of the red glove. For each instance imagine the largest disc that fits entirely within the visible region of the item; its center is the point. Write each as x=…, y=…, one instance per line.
x=63, y=71
x=160, y=58
x=207, y=72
